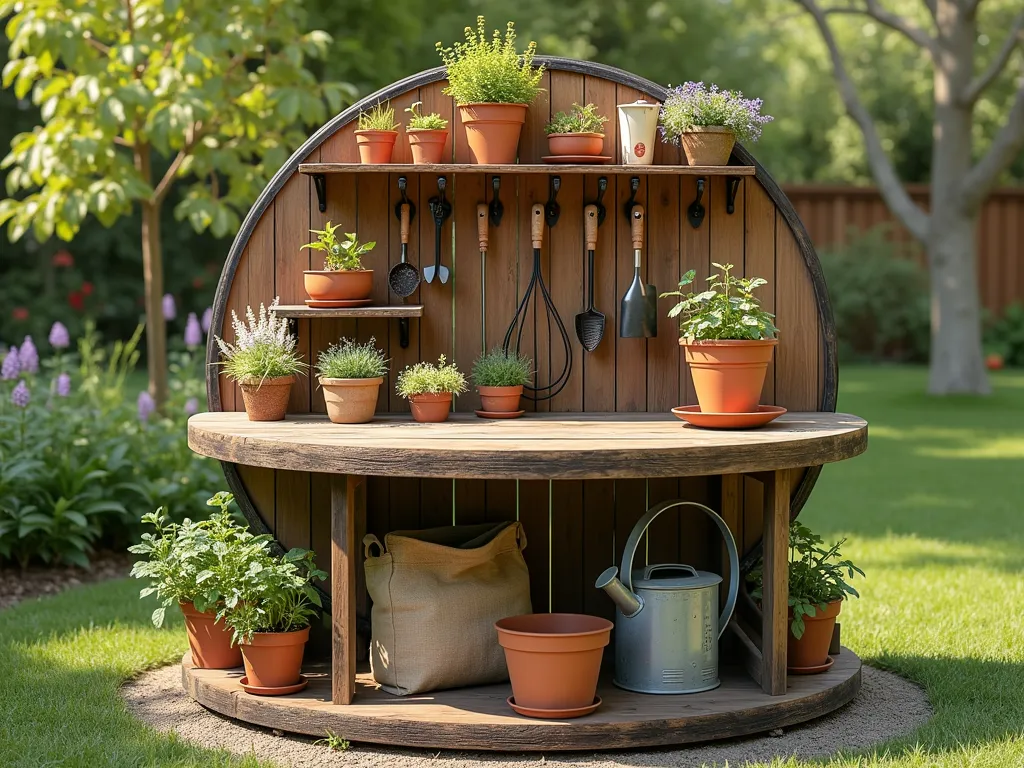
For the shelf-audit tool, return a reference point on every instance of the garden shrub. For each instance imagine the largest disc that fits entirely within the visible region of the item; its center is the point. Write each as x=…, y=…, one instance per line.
x=1004, y=335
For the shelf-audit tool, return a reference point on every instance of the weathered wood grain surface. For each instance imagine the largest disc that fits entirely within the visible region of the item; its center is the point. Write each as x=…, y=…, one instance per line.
x=399, y=310
x=548, y=168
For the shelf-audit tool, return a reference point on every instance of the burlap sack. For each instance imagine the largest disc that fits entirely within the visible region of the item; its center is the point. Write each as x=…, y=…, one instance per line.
x=436, y=595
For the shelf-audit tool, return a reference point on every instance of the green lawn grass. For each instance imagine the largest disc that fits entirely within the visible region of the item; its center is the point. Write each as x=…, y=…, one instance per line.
x=932, y=512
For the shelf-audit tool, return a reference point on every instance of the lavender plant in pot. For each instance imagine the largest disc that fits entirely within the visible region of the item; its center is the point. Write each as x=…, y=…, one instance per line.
x=376, y=135
x=351, y=375
x=499, y=377
x=580, y=131
x=428, y=135
x=343, y=278
x=430, y=389
x=709, y=121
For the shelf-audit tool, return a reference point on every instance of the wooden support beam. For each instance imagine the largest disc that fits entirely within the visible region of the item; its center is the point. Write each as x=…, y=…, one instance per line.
x=732, y=513
x=348, y=513
x=775, y=591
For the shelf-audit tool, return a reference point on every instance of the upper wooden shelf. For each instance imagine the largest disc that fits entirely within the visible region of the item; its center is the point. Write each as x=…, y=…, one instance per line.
x=398, y=310
x=552, y=168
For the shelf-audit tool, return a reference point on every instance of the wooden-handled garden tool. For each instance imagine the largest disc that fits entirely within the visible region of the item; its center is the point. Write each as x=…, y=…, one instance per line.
x=590, y=324
x=638, y=313
x=482, y=238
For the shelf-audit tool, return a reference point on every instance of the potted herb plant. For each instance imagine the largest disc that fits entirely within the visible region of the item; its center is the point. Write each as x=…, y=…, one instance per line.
x=430, y=389
x=263, y=361
x=343, y=277
x=185, y=566
x=427, y=134
x=728, y=339
x=580, y=131
x=817, y=588
x=709, y=121
x=499, y=377
x=351, y=375
x=492, y=84
x=376, y=135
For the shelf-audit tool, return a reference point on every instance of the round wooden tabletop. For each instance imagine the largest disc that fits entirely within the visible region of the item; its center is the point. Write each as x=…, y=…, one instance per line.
x=541, y=446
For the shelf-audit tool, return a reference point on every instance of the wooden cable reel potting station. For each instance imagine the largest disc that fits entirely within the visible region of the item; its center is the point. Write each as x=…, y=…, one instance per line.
x=582, y=466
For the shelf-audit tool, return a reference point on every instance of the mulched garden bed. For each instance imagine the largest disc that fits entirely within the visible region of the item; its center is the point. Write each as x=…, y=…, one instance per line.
x=40, y=580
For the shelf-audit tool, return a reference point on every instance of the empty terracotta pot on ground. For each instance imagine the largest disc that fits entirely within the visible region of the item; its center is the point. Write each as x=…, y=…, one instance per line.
x=431, y=409
x=575, y=143
x=492, y=131
x=708, y=144
x=209, y=642
x=266, y=399
x=338, y=284
x=554, y=659
x=500, y=399
x=351, y=401
x=427, y=144
x=811, y=650
x=274, y=659
x=728, y=375
x=375, y=147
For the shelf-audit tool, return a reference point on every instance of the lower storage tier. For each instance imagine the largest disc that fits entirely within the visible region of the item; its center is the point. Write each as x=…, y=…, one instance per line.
x=479, y=718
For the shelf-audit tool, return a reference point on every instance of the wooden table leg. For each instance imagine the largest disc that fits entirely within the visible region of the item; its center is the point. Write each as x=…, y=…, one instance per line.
x=775, y=592
x=348, y=511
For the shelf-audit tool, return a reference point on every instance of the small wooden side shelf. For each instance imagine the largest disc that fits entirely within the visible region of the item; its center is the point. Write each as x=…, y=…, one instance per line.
x=553, y=169
x=398, y=310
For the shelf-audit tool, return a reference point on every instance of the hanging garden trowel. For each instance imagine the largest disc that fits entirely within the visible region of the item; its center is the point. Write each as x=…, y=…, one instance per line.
x=638, y=312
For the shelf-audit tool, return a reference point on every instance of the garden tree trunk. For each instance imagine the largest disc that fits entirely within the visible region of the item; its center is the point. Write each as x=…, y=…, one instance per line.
x=153, y=274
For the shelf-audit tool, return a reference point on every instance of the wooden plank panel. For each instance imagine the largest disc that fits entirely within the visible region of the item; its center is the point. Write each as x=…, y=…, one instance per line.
x=533, y=143
x=796, y=357
x=402, y=153
x=760, y=258
x=291, y=231
x=259, y=487
x=373, y=216
x=293, y=494
x=435, y=101
x=663, y=270
x=695, y=254
x=535, y=515
x=466, y=274
x=568, y=584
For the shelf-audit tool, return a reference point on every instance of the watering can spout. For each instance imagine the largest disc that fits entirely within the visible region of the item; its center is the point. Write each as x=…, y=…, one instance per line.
x=628, y=603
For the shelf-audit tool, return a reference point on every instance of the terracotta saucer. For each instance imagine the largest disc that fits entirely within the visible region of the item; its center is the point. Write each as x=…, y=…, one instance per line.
x=500, y=414
x=812, y=670
x=554, y=714
x=578, y=159
x=693, y=415
x=341, y=304
x=284, y=690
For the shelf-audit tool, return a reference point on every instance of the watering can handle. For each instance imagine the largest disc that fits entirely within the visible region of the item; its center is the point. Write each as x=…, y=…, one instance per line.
x=626, y=571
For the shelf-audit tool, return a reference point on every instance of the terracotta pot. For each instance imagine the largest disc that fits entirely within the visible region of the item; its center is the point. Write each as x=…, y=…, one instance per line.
x=811, y=650
x=500, y=399
x=492, y=131
x=431, y=409
x=209, y=642
x=375, y=147
x=338, y=284
x=274, y=659
x=708, y=144
x=351, y=401
x=575, y=143
x=728, y=375
x=427, y=144
x=554, y=658
x=266, y=399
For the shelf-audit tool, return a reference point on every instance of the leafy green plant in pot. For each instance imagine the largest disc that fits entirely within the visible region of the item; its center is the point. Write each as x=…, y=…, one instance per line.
x=351, y=375
x=728, y=339
x=428, y=135
x=492, y=84
x=185, y=565
x=263, y=361
x=580, y=131
x=430, y=388
x=376, y=135
x=500, y=377
x=343, y=278
x=817, y=588
x=709, y=121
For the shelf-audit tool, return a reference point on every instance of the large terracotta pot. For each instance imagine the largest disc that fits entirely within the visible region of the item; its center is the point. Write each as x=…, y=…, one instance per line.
x=728, y=375
x=427, y=145
x=210, y=642
x=492, y=131
x=575, y=143
x=811, y=650
x=338, y=285
x=266, y=399
x=429, y=408
x=708, y=144
x=274, y=659
x=375, y=147
x=500, y=399
x=351, y=401
x=554, y=659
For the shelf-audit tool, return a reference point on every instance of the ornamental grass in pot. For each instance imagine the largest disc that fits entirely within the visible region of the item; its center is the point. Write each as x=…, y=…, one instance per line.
x=580, y=131
x=376, y=135
x=728, y=340
x=427, y=134
x=430, y=388
x=499, y=377
x=350, y=375
x=263, y=362
x=817, y=588
x=492, y=84
x=343, y=277
x=708, y=122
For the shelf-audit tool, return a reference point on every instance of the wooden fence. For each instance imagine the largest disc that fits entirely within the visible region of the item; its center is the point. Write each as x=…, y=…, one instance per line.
x=832, y=213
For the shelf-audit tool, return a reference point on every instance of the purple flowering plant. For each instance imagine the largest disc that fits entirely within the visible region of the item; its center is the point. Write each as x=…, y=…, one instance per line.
x=28, y=356
x=695, y=104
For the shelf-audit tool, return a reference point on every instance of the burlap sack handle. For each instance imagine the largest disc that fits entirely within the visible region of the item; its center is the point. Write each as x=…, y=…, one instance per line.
x=369, y=540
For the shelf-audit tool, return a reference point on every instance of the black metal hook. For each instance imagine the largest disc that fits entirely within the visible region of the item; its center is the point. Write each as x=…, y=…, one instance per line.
x=731, y=188
x=602, y=187
x=402, y=184
x=320, y=183
x=695, y=213
x=440, y=207
x=553, y=210
x=634, y=187
x=403, y=332
x=497, y=210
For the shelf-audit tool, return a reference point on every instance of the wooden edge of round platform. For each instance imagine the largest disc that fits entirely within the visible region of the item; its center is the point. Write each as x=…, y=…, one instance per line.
x=479, y=719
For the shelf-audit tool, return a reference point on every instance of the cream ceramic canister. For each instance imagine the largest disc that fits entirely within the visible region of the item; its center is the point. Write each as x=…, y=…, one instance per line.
x=638, y=126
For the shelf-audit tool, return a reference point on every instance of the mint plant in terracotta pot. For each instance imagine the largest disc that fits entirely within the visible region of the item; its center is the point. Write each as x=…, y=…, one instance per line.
x=351, y=375
x=499, y=377
x=376, y=135
x=427, y=134
x=493, y=85
x=430, y=389
x=343, y=277
x=580, y=131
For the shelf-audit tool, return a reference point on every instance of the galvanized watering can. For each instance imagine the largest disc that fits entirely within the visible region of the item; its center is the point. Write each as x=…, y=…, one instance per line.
x=667, y=630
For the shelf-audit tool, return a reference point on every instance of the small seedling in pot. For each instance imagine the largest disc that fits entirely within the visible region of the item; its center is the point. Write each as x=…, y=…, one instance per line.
x=420, y=122
x=345, y=255
x=577, y=120
x=380, y=118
